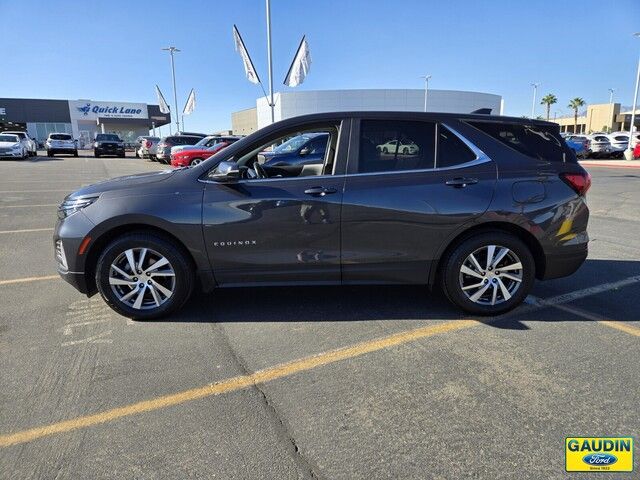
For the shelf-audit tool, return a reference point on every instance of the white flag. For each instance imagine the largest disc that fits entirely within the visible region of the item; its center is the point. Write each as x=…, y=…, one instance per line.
x=249, y=69
x=190, y=106
x=164, y=107
x=300, y=65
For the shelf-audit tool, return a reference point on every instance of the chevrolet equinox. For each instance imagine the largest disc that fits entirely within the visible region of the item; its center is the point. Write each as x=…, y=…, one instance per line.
x=480, y=205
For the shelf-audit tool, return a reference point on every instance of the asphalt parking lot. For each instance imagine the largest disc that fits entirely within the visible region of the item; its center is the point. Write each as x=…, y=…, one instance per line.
x=335, y=383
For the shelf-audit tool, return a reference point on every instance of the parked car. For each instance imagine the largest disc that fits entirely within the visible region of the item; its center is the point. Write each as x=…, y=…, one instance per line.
x=61, y=143
x=163, y=150
x=190, y=158
x=29, y=144
x=600, y=146
x=11, y=146
x=636, y=151
x=580, y=145
x=402, y=147
x=204, y=143
x=108, y=144
x=488, y=205
x=619, y=143
x=304, y=149
x=146, y=147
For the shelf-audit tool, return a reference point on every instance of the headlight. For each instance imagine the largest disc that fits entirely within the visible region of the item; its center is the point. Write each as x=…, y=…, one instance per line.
x=16, y=146
x=71, y=206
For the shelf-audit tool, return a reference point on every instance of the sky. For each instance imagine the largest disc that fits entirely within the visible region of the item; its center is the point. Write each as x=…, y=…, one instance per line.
x=112, y=50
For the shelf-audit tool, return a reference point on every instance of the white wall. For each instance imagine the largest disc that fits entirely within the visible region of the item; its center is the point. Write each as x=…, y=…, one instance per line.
x=291, y=104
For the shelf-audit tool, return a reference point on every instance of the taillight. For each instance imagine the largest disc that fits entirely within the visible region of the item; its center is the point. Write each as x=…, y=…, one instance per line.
x=579, y=182
x=147, y=144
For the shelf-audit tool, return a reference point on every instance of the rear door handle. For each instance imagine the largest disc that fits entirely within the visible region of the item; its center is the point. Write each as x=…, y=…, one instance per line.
x=460, y=182
x=319, y=191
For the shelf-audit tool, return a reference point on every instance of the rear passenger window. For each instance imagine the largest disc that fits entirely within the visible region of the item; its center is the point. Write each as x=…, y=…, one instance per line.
x=532, y=140
x=451, y=150
x=391, y=146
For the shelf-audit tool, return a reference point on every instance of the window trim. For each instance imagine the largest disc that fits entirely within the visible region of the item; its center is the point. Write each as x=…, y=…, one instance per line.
x=354, y=153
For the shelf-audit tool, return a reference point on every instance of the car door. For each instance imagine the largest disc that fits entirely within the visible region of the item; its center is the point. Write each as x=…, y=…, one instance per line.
x=281, y=229
x=398, y=208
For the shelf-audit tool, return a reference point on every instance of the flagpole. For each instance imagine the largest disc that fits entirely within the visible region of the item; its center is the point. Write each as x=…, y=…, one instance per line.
x=173, y=50
x=271, y=103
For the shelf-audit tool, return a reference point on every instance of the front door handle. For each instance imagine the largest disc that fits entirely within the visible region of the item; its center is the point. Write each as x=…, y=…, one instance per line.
x=460, y=182
x=319, y=191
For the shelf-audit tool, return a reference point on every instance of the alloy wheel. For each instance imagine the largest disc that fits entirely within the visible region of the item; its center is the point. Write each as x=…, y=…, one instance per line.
x=491, y=275
x=142, y=278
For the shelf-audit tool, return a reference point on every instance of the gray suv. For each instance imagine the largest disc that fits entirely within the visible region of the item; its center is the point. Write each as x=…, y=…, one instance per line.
x=479, y=205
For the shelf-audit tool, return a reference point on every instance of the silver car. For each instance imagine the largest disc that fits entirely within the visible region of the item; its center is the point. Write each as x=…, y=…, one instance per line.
x=600, y=146
x=146, y=147
x=619, y=143
x=30, y=145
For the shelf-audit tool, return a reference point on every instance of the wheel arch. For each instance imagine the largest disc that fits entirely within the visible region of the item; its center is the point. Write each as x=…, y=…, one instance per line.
x=527, y=237
x=99, y=244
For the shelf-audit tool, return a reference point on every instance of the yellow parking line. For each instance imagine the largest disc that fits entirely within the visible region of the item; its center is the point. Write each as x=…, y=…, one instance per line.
x=27, y=230
x=28, y=279
x=622, y=326
x=26, y=206
x=625, y=327
x=236, y=383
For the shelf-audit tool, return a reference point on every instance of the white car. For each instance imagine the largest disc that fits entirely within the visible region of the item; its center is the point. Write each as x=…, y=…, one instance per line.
x=600, y=145
x=619, y=143
x=30, y=145
x=60, y=143
x=11, y=146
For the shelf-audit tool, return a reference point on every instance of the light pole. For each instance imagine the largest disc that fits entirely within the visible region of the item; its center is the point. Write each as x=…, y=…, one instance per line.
x=533, y=103
x=271, y=103
x=628, y=153
x=426, y=89
x=171, y=51
x=611, y=90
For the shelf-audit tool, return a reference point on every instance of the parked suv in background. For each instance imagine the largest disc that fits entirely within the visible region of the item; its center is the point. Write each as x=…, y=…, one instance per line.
x=163, y=150
x=580, y=145
x=483, y=207
x=619, y=143
x=108, y=144
x=146, y=147
x=600, y=145
x=30, y=145
x=60, y=143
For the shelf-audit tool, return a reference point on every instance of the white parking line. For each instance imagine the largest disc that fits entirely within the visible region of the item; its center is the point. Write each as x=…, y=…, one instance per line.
x=586, y=292
x=27, y=230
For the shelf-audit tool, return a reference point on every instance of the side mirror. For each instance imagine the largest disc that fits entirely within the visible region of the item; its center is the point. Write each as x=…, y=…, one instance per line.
x=226, y=172
x=305, y=151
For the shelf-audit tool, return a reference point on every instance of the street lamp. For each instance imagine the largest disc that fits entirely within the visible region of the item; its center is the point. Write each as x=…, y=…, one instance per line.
x=611, y=90
x=628, y=153
x=426, y=89
x=171, y=51
x=533, y=103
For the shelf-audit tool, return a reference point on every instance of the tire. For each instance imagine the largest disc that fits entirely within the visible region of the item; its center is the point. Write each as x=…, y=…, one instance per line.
x=196, y=161
x=75, y=153
x=49, y=153
x=452, y=277
x=96, y=154
x=181, y=288
x=137, y=156
x=384, y=150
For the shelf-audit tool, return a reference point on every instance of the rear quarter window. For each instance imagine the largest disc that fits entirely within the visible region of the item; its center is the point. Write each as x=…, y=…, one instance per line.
x=535, y=141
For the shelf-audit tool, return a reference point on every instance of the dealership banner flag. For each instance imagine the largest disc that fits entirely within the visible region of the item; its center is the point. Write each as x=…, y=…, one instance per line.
x=164, y=107
x=190, y=106
x=249, y=69
x=300, y=66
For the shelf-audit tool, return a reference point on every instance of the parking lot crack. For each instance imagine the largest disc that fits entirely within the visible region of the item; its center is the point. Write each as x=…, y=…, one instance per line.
x=283, y=431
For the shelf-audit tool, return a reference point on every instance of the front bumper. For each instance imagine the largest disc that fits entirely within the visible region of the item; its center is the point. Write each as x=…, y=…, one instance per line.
x=78, y=281
x=11, y=154
x=67, y=238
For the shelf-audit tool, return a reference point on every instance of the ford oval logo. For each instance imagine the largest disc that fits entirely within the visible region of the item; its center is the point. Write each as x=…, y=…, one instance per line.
x=599, y=459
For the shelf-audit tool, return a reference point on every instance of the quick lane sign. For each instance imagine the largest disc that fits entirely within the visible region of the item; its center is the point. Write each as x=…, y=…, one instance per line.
x=88, y=110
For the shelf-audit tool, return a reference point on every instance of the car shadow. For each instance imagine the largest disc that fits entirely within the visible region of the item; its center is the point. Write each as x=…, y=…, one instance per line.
x=410, y=302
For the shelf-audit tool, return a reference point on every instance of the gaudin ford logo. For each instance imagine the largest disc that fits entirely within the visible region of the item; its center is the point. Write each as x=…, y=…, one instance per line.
x=234, y=243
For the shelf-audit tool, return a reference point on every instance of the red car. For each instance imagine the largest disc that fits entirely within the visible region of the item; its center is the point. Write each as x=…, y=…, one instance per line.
x=194, y=156
x=636, y=151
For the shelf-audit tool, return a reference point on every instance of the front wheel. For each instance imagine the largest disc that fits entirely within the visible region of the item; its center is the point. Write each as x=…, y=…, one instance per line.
x=196, y=161
x=144, y=276
x=488, y=274
x=49, y=153
x=75, y=153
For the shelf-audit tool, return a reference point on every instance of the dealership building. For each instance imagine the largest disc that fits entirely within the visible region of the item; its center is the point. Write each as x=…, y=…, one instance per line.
x=80, y=118
x=291, y=104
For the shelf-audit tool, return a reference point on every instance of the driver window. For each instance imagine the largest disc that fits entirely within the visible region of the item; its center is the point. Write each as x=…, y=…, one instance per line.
x=296, y=154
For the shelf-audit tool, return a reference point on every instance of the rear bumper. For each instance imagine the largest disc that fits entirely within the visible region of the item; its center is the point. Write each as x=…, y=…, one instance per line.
x=564, y=264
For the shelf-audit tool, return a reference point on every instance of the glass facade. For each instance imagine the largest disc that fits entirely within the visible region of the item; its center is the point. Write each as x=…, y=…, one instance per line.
x=42, y=130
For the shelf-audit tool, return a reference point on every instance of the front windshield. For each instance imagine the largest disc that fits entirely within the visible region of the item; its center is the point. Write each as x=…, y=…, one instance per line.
x=292, y=144
x=203, y=142
x=8, y=138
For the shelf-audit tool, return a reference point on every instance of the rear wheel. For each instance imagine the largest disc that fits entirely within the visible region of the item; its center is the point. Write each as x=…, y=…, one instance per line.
x=49, y=153
x=144, y=276
x=196, y=161
x=96, y=154
x=75, y=153
x=488, y=274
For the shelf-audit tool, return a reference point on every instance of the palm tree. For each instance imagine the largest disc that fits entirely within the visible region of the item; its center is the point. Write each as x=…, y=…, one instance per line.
x=548, y=100
x=575, y=104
